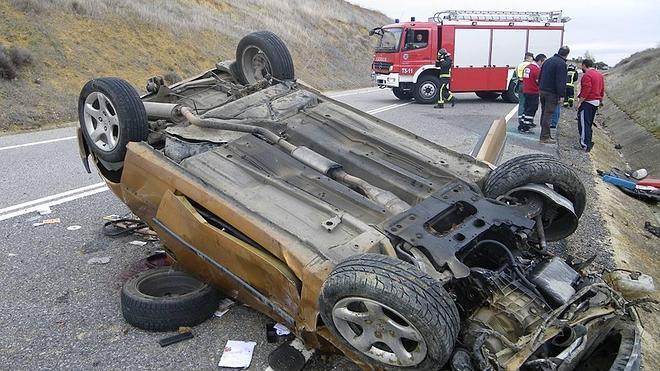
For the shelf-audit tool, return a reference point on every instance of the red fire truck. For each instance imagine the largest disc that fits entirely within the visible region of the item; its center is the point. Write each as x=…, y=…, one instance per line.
x=486, y=46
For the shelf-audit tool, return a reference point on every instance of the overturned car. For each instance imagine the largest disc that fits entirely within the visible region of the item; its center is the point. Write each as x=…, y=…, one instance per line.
x=358, y=235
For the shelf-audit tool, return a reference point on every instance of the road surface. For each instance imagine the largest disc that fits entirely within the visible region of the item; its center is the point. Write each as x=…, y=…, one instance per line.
x=58, y=311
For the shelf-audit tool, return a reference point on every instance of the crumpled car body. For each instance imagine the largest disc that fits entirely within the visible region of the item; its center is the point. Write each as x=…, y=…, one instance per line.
x=268, y=215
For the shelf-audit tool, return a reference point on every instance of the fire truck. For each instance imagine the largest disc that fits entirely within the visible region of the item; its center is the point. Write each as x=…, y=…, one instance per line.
x=486, y=47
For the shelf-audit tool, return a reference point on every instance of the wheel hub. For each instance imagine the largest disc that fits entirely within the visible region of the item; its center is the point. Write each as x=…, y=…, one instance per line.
x=428, y=90
x=379, y=331
x=101, y=121
x=255, y=64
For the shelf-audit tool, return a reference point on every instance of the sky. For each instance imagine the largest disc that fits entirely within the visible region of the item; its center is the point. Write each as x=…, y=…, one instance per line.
x=609, y=30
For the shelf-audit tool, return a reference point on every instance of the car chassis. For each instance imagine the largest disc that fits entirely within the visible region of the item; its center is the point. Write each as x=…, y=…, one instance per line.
x=358, y=235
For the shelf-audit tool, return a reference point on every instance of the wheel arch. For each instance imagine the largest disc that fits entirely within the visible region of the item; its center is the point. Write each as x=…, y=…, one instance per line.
x=428, y=69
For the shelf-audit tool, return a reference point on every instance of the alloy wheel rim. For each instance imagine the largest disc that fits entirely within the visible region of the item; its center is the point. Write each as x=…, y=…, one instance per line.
x=101, y=121
x=379, y=331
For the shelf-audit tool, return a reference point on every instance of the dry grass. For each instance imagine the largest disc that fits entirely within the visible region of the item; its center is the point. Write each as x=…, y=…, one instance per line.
x=634, y=85
x=136, y=39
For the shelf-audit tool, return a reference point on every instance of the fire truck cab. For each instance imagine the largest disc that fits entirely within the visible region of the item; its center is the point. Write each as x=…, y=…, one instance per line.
x=485, y=46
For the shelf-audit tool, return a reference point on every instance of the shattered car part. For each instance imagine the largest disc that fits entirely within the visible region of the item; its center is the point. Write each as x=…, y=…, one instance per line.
x=417, y=268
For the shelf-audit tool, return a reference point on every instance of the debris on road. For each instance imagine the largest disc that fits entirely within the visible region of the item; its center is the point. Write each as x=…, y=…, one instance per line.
x=47, y=221
x=224, y=307
x=645, y=190
x=276, y=331
x=281, y=330
x=290, y=356
x=183, y=329
x=640, y=174
x=73, y=227
x=45, y=210
x=655, y=230
x=101, y=260
x=618, y=146
x=175, y=338
x=126, y=226
x=237, y=354
x=11, y=254
x=112, y=217
x=137, y=243
x=631, y=284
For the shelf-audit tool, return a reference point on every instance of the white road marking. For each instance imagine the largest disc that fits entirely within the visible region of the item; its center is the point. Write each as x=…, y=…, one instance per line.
x=511, y=113
x=387, y=108
x=57, y=199
x=36, y=143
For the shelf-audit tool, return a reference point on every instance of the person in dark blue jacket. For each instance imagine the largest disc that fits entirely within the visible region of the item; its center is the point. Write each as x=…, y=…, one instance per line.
x=552, y=86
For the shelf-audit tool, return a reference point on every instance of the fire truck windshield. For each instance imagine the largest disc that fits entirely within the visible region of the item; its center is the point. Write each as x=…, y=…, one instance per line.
x=389, y=40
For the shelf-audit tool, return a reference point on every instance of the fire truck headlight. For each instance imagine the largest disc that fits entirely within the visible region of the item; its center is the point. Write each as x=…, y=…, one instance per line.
x=391, y=79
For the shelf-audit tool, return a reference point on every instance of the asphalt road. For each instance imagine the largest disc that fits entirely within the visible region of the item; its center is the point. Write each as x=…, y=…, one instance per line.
x=57, y=311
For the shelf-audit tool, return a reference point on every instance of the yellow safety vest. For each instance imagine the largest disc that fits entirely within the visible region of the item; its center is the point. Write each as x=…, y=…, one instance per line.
x=521, y=69
x=569, y=81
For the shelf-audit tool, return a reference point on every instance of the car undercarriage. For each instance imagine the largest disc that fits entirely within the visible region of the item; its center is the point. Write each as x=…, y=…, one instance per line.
x=358, y=235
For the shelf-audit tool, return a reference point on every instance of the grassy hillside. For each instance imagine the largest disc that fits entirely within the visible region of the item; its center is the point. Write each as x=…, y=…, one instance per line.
x=634, y=85
x=72, y=41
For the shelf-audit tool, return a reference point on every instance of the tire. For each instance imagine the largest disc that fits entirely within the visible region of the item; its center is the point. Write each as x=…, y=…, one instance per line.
x=488, y=95
x=408, y=297
x=510, y=95
x=265, y=44
x=120, y=120
x=402, y=94
x=421, y=91
x=541, y=169
x=163, y=299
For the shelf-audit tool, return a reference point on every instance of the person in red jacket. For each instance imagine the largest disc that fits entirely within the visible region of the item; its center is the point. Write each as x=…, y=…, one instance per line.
x=530, y=89
x=592, y=90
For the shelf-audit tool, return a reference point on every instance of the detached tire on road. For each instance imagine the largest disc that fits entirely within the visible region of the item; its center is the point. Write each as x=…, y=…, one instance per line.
x=386, y=310
x=164, y=299
x=260, y=54
x=111, y=114
x=426, y=89
x=402, y=94
x=540, y=169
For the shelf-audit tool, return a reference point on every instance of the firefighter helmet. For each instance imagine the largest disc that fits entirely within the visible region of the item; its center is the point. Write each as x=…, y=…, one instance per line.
x=442, y=51
x=571, y=67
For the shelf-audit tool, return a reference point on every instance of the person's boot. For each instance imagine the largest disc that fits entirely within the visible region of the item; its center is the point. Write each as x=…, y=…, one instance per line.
x=548, y=141
x=439, y=105
x=453, y=102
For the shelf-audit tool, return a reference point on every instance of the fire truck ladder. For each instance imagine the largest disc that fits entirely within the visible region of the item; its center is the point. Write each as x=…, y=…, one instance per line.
x=498, y=16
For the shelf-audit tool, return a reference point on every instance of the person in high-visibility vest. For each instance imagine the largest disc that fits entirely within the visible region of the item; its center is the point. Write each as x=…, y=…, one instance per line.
x=518, y=75
x=571, y=79
x=443, y=62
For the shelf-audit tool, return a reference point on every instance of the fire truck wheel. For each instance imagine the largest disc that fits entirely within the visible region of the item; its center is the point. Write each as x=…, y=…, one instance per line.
x=426, y=89
x=510, y=96
x=488, y=95
x=402, y=94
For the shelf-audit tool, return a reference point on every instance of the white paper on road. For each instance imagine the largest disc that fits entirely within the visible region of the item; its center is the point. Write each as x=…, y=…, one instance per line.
x=137, y=243
x=281, y=330
x=237, y=354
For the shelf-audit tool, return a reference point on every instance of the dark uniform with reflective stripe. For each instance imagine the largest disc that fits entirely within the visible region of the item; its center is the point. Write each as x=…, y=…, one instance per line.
x=444, y=95
x=571, y=79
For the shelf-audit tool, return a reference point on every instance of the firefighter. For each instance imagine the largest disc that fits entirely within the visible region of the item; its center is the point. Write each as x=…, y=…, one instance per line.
x=518, y=74
x=571, y=79
x=443, y=62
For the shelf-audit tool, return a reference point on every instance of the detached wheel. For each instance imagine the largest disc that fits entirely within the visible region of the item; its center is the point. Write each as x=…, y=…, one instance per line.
x=488, y=95
x=541, y=169
x=111, y=114
x=510, y=95
x=402, y=94
x=164, y=299
x=261, y=54
x=390, y=313
x=426, y=89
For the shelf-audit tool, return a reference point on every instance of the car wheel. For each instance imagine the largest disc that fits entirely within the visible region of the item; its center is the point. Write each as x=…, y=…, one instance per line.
x=510, y=95
x=488, y=95
x=540, y=169
x=163, y=299
x=427, y=89
x=261, y=54
x=390, y=313
x=111, y=114
x=402, y=94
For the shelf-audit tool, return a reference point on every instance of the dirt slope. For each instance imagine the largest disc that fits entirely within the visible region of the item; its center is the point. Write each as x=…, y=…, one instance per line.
x=73, y=41
x=634, y=85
